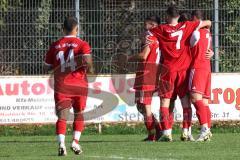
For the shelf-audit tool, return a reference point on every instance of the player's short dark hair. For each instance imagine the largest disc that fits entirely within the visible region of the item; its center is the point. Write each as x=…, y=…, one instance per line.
x=184, y=16
x=198, y=14
x=69, y=23
x=153, y=19
x=172, y=11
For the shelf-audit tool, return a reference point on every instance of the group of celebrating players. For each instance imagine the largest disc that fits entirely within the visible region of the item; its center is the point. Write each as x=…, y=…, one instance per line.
x=182, y=49
x=174, y=61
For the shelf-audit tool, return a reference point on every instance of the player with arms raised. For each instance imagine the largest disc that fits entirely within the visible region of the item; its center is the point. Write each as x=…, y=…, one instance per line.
x=147, y=77
x=174, y=45
x=70, y=59
x=200, y=76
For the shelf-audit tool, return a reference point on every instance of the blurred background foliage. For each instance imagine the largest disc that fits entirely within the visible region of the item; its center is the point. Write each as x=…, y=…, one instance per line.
x=112, y=27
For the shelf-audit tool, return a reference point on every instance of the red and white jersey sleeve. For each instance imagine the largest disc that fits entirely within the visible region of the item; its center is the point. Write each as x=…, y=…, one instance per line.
x=147, y=71
x=191, y=26
x=155, y=54
x=200, y=42
x=85, y=48
x=194, y=38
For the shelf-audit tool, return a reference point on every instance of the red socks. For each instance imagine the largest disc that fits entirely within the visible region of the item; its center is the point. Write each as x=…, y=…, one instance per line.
x=171, y=118
x=164, y=118
x=187, y=117
x=150, y=125
x=209, y=116
x=158, y=129
x=201, y=112
x=61, y=126
x=78, y=125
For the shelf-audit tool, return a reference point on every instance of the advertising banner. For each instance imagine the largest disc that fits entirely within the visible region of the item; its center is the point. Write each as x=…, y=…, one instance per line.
x=30, y=99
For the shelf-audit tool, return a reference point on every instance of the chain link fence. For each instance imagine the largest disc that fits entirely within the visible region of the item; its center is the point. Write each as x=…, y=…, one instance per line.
x=112, y=27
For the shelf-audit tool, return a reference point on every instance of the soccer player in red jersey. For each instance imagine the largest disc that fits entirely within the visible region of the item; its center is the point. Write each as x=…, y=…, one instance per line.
x=200, y=76
x=173, y=40
x=70, y=59
x=186, y=103
x=147, y=77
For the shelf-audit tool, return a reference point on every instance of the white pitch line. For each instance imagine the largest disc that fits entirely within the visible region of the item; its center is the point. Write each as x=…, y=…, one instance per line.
x=110, y=157
x=128, y=158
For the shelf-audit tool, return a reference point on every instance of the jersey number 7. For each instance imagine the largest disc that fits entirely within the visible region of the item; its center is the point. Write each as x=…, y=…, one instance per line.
x=209, y=40
x=179, y=35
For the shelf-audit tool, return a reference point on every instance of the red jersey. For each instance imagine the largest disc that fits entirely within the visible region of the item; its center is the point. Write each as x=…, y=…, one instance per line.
x=174, y=44
x=64, y=56
x=146, y=75
x=200, y=42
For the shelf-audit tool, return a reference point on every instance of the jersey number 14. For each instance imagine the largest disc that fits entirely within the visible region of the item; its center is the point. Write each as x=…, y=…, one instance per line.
x=70, y=62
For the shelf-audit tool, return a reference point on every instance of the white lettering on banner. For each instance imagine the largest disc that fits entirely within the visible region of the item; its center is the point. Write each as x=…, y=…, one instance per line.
x=29, y=99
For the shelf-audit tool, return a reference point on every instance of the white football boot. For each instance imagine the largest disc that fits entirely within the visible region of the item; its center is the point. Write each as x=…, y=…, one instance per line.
x=204, y=135
x=187, y=137
x=76, y=148
x=62, y=151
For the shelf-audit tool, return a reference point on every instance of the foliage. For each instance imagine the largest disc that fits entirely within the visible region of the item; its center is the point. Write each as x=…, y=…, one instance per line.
x=5, y=7
x=110, y=129
x=229, y=42
x=110, y=30
x=42, y=20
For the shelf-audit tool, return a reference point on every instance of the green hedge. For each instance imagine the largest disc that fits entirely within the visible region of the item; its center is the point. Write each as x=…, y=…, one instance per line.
x=109, y=129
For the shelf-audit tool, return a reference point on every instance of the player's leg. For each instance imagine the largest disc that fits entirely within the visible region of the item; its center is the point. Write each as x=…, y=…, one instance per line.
x=153, y=124
x=201, y=113
x=206, y=99
x=79, y=105
x=209, y=115
x=166, y=134
x=182, y=91
x=187, y=119
x=149, y=120
x=171, y=113
x=205, y=102
x=143, y=101
x=166, y=93
x=197, y=88
x=165, y=119
x=62, y=111
x=142, y=109
x=78, y=127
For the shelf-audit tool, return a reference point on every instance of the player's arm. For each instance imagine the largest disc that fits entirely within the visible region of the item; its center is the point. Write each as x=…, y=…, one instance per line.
x=89, y=63
x=142, y=55
x=147, y=41
x=48, y=62
x=209, y=54
x=87, y=57
x=194, y=38
x=157, y=31
x=205, y=24
x=47, y=68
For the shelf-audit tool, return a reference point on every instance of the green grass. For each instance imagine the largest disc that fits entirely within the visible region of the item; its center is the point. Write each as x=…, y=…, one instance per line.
x=127, y=147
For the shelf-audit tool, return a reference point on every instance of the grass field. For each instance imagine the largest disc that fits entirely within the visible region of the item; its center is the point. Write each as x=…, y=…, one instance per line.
x=103, y=147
